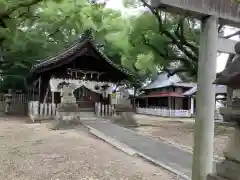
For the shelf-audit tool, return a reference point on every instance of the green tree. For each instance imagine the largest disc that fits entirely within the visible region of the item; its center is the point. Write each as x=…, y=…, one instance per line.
x=173, y=38
x=181, y=38
x=20, y=42
x=33, y=30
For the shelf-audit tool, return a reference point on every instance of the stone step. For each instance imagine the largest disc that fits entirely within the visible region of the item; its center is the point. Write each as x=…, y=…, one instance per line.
x=87, y=114
x=215, y=177
x=86, y=109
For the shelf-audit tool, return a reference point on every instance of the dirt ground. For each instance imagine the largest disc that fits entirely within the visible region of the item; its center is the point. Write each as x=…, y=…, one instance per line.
x=180, y=132
x=32, y=151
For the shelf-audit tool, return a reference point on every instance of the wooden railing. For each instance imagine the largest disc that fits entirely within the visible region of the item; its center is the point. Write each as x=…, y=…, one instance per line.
x=104, y=110
x=38, y=110
x=164, y=112
x=16, y=98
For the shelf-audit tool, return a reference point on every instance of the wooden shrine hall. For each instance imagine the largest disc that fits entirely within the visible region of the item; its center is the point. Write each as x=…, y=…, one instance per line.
x=82, y=64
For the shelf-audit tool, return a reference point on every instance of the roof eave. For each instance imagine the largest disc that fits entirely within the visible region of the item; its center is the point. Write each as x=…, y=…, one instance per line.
x=51, y=60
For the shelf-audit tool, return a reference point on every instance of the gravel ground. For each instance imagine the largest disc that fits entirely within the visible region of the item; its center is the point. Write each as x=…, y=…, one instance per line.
x=32, y=151
x=180, y=132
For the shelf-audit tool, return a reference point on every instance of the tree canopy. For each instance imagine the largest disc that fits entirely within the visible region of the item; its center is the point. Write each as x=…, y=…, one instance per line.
x=31, y=30
x=179, y=37
x=145, y=43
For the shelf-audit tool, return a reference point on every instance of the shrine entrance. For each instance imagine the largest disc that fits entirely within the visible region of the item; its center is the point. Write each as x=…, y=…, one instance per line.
x=86, y=98
x=87, y=93
x=85, y=66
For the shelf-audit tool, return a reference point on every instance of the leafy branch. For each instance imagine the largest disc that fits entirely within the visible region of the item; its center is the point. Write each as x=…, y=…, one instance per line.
x=177, y=39
x=165, y=55
x=10, y=10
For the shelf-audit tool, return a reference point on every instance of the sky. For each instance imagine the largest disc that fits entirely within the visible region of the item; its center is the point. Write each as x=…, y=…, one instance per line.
x=222, y=58
x=116, y=4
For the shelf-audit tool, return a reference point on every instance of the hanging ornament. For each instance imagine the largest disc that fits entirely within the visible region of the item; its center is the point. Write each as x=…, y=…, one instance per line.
x=85, y=75
x=60, y=85
x=104, y=94
x=105, y=87
x=97, y=87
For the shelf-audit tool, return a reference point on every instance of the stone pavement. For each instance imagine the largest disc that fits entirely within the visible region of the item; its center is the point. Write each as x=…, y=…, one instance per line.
x=170, y=156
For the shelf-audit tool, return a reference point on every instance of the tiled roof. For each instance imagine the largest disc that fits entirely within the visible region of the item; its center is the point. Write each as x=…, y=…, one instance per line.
x=72, y=49
x=164, y=80
x=161, y=94
x=185, y=84
x=220, y=89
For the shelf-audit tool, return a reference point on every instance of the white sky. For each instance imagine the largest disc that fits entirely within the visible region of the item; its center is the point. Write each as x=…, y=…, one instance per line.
x=222, y=58
x=115, y=4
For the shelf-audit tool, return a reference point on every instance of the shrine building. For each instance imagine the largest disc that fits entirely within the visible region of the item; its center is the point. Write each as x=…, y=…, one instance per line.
x=83, y=64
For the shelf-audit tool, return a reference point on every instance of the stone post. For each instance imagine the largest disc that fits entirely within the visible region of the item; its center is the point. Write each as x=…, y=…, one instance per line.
x=205, y=100
x=192, y=105
x=8, y=100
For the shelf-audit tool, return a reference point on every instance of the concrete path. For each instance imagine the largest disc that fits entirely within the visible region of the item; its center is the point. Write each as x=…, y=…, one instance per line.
x=178, y=160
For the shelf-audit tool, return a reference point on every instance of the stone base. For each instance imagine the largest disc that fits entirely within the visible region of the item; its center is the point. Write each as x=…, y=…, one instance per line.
x=58, y=125
x=126, y=119
x=123, y=108
x=226, y=170
x=70, y=107
x=68, y=112
x=67, y=116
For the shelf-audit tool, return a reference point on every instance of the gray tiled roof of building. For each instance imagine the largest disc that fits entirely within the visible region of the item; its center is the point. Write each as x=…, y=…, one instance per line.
x=164, y=80
x=220, y=89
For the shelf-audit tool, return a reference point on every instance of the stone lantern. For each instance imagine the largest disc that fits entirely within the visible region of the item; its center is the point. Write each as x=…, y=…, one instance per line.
x=229, y=168
x=67, y=110
x=8, y=100
x=125, y=110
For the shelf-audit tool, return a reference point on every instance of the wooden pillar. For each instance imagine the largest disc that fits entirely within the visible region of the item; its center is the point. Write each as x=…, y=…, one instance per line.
x=173, y=103
x=169, y=103
x=39, y=88
x=53, y=100
x=46, y=95
x=32, y=92
x=146, y=103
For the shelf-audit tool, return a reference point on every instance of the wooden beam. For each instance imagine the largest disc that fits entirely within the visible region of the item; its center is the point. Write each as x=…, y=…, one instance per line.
x=227, y=11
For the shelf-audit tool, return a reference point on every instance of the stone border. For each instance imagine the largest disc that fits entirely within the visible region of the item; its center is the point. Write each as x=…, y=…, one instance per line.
x=126, y=149
x=174, y=117
x=172, y=143
x=177, y=145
